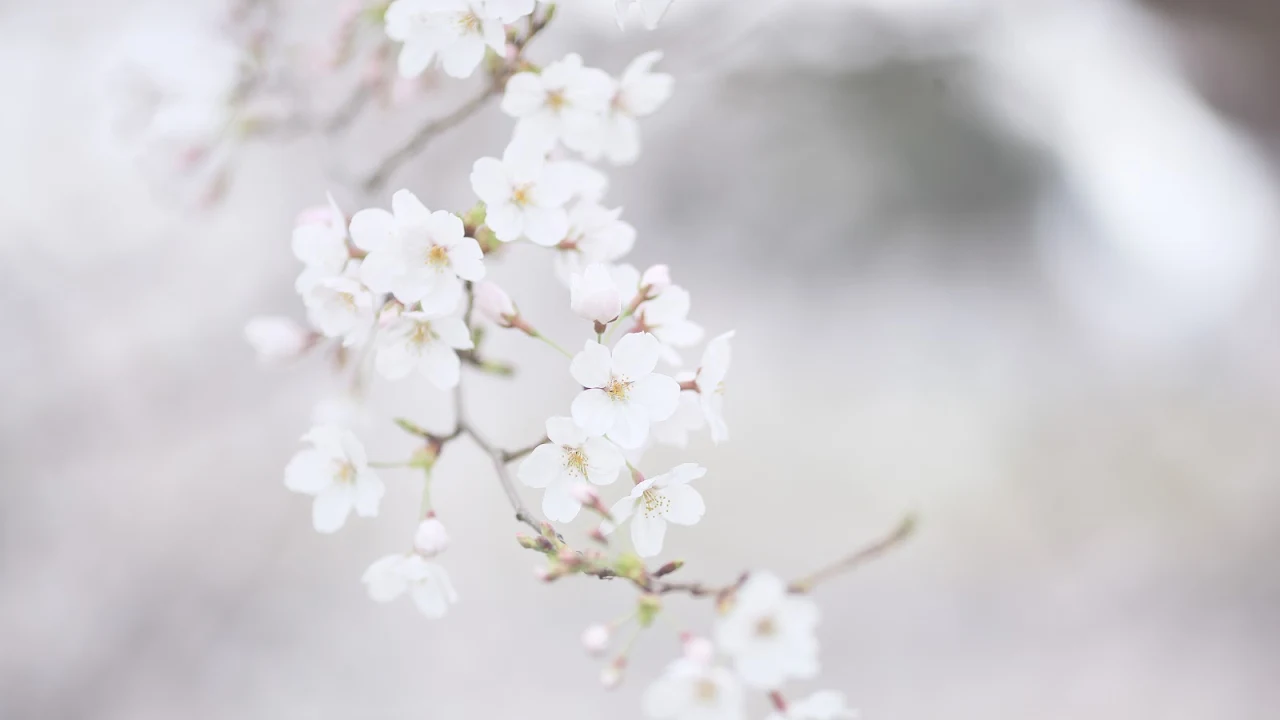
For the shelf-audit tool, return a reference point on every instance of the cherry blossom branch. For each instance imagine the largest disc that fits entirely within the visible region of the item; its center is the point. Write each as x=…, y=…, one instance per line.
x=425, y=135
x=900, y=533
x=419, y=140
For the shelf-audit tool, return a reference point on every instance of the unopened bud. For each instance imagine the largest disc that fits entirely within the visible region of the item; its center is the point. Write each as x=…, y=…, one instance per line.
x=598, y=536
x=585, y=494
x=431, y=539
x=494, y=303
x=569, y=558
x=669, y=568
x=611, y=675
x=594, y=296
x=655, y=280
x=697, y=649
x=527, y=542
x=596, y=639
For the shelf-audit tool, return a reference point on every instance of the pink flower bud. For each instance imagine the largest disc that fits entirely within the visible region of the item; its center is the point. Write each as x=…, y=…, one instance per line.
x=698, y=649
x=494, y=303
x=594, y=296
x=657, y=279
x=276, y=338
x=431, y=539
x=585, y=494
x=611, y=675
x=543, y=573
x=596, y=639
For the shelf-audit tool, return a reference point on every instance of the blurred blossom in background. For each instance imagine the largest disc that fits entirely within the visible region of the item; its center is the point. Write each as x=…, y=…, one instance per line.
x=1008, y=263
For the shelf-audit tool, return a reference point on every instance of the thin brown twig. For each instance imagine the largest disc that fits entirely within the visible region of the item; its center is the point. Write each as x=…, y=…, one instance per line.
x=901, y=532
x=425, y=135
x=428, y=132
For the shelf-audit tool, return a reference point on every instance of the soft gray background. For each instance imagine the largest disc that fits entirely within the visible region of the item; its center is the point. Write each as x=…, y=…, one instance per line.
x=1007, y=265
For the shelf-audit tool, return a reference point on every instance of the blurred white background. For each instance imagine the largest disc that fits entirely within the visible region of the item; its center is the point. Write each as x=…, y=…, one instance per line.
x=1007, y=263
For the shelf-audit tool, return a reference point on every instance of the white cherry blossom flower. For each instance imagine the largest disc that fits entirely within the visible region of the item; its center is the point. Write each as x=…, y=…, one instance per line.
x=710, y=383
x=508, y=11
x=822, y=705
x=320, y=242
x=656, y=502
x=667, y=317
x=336, y=472
x=415, y=254
x=639, y=92
x=431, y=538
x=595, y=235
x=427, y=342
x=622, y=394
x=692, y=690
x=523, y=195
x=341, y=307
x=651, y=11
x=569, y=458
x=456, y=31
x=562, y=103
x=687, y=418
x=594, y=296
x=426, y=582
x=276, y=338
x=770, y=633
x=586, y=183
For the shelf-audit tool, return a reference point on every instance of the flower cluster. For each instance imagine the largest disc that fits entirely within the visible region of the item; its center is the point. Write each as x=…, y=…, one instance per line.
x=406, y=288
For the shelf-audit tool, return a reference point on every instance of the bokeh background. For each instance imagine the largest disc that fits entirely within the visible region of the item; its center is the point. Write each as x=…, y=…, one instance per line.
x=1009, y=264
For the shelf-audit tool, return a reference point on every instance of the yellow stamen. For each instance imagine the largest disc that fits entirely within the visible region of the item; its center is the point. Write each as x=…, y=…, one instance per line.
x=618, y=388
x=575, y=460
x=655, y=503
x=437, y=256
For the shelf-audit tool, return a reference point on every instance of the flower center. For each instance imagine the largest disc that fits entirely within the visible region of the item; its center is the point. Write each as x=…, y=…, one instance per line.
x=766, y=627
x=469, y=23
x=556, y=100
x=618, y=388
x=348, y=300
x=655, y=503
x=437, y=256
x=521, y=195
x=346, y=472
x=421, y=334
x=575, y=460
x=706, y=691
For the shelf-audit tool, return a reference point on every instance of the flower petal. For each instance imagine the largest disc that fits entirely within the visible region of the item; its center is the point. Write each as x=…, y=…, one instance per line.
x=373, y=229
x=545, y=226
x=409, y=210
x=630, y=427
x=524, y=95
x=564, y=431
x=467, y=259
x=636, y=355
x=368, y=493
x=333, y=504
x=489, y=181
x=657, y=394
x=453, y=332
x=308, y=472
x=687, y=506
x=647, y=533
x=594, y=412
x=441, y=365
x=558, y=502
x=544, y=466
x=604, y=461
x=591, y=366
x=460, y=58
x=384, y=580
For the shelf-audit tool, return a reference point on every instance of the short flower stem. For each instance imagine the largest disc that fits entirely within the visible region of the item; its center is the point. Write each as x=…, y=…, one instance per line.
x=425, y=506
x=553, y=344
